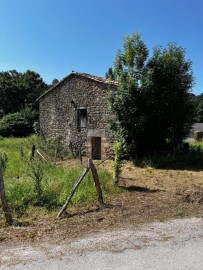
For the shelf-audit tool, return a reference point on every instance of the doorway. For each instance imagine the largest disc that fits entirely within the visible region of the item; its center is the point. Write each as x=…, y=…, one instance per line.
x=96, y=148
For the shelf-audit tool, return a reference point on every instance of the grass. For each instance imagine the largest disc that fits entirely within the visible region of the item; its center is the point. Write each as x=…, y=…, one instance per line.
x=55, y=182
x=149, y=194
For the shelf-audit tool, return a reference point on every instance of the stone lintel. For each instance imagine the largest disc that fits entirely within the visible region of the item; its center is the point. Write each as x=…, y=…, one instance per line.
x=96, y=133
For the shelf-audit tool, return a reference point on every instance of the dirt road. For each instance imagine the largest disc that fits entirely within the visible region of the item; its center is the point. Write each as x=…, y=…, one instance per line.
x=176, y=244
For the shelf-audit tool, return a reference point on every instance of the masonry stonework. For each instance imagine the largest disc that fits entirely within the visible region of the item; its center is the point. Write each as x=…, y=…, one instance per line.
x=59, y=107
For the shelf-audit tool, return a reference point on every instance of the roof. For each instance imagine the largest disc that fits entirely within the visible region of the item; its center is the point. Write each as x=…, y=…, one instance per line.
x=84, y=75
x=197, y=127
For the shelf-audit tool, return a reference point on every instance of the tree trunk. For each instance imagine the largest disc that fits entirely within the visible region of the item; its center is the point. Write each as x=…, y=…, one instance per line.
x=5, y=206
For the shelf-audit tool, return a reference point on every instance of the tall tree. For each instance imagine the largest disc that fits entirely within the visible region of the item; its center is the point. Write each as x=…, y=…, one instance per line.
x=152, y=102
x=9, y=91
x=128, y=69
x=19, y=89
x=31, y=87
x=166, y=84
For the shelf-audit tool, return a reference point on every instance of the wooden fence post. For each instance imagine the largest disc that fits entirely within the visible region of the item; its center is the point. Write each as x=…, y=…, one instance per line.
x=97, y=183
x=77, y=183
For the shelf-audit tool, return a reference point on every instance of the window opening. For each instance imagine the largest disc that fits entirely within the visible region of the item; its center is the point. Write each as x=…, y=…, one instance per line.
x=82, y=118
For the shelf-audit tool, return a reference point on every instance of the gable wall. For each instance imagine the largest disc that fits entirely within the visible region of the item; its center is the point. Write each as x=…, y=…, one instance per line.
x=58, y=116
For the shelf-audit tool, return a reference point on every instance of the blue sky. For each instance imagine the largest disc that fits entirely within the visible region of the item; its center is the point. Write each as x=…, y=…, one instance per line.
x=54, y=37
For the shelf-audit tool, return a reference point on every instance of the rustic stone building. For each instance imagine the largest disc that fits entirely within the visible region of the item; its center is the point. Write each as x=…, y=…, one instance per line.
x=76, y=111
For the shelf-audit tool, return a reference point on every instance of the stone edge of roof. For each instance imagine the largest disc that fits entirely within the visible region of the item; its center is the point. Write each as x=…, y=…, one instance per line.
x=85, y=75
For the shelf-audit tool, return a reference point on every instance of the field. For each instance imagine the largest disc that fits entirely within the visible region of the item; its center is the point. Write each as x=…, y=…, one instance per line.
x=144, y=195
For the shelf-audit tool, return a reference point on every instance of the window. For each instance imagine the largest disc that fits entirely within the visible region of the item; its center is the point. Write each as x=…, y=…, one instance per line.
x=81, y=118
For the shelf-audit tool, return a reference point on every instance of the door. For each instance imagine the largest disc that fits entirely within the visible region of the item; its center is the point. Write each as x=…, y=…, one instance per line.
x=96, y=147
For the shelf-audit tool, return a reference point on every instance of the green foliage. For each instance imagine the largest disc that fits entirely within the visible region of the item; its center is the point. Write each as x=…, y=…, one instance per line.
x=36, y=183
x=53, y=148
x=18, y=90
x=30, y=115
x=36, y=170
x=168, y=110
x=18, y=124
x=14, y=124
x=152, y=102
x=118, y=148
x=54, y=82
x=18, y=106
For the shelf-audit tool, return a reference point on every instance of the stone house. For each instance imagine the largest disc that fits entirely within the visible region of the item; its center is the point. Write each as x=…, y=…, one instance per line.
x=76, y=111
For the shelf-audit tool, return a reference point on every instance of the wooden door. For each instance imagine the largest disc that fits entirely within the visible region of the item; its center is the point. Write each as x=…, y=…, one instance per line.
x=96, y=147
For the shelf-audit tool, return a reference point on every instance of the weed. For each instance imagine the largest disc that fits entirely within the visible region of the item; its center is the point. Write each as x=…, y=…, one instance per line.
x=34, y=183
x=118, y=148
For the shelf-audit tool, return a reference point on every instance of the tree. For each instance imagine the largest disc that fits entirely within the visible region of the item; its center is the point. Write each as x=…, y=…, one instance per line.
x=18, y=90
x=9, y=91
x=152, y=102
x=128, y=68
x=54, y=82
x=169, y=112
x=31, y=87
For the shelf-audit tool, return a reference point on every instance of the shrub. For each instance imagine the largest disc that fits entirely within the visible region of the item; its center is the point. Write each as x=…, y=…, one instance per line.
x=14, y=125
x=53, y=148
x=118, y=148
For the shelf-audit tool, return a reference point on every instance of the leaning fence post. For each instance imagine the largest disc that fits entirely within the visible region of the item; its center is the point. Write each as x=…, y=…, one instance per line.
x=96, y=182
x=77, y=183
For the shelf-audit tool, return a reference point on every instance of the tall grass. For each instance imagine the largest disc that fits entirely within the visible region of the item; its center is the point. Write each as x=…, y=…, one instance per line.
x=56, y=182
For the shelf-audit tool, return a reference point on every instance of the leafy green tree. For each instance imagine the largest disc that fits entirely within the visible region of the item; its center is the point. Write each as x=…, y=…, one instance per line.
x=31, y=87
x=167, y=107
x=9, y=91
x=128, y=69
x=153, y=101
x=18, y=90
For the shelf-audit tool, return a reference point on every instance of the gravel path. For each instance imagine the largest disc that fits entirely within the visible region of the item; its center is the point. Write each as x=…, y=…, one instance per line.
x=176, y=244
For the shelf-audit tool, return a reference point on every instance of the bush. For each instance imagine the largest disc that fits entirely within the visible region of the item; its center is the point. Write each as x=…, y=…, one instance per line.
x=14, y=124
x=19, y=124
x=53, y=148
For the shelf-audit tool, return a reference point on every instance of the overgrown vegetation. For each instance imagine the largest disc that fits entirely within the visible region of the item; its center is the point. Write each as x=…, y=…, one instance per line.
x=18, y=124
x=18, y=106
x=118, y=149
x=34, y=183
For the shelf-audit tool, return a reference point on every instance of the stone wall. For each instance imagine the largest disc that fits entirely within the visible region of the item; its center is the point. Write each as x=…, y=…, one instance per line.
x=58, y=113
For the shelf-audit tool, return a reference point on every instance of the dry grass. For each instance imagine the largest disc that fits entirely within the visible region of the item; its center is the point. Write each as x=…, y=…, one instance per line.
x=147, y=195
